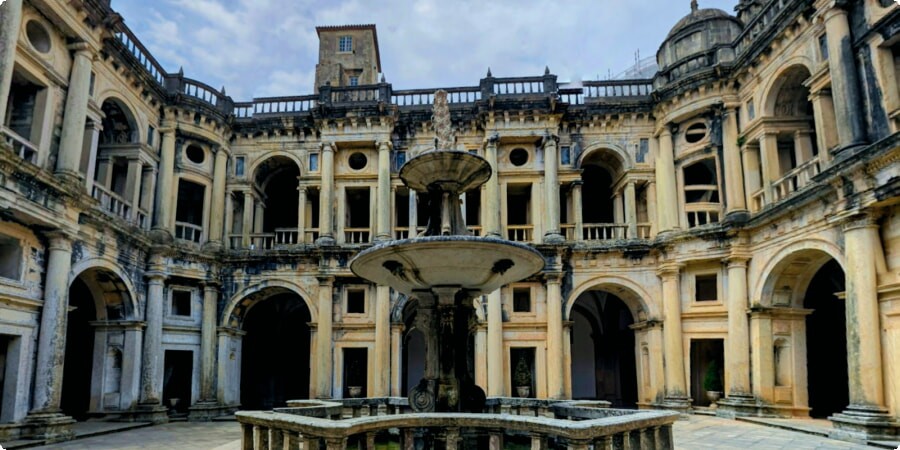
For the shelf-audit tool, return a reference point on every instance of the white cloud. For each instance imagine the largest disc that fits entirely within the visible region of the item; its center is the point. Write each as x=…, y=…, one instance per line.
x=269, y=47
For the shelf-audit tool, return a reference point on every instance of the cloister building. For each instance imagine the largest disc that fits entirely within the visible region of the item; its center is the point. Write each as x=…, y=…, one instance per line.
x=166, y=249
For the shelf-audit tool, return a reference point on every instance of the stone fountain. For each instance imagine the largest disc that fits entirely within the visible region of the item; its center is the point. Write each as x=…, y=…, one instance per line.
x=446, y=267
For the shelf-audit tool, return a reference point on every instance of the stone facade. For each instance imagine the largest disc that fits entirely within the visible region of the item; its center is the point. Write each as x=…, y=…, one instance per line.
x=165, y=249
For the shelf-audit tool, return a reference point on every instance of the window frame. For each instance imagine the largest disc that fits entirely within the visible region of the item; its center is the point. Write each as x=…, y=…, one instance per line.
x=170, y=311
x=706, y=274
x=345, y=300
x=532, y=310
x=345, y=44
x=22, y=261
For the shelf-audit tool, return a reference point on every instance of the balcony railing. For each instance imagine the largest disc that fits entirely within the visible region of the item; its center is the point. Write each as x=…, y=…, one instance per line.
x=286, y=236
x=643, y=230
x=425, y=97
x=568, y=231
x=275, y=105
x=758, y=200
x=136, y=49
x=357, y=235
x=618, y=88
x=356, y=94
x=311, y=235
x=795, y=180
x=401, y=233
x=474, y=229
x=523, y=423
x=200, y=91
x=21, y=146
x=111, y=202
x=702, y=213
x=188, y=232
x=518, y=86
x=605, y=231
x=520, y=233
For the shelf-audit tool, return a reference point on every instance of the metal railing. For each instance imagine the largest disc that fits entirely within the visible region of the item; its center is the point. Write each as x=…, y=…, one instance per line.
x=795, y=179
x=21, y=146
x=111, y=202
x=188, y=232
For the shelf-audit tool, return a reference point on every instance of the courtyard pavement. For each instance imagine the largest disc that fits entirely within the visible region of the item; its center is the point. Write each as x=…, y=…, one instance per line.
x=697, y=432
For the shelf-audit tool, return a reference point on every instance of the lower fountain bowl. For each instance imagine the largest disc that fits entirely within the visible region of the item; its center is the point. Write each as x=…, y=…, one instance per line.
x=474, y=264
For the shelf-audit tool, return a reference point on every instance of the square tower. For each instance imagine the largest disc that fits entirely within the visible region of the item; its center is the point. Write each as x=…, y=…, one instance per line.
x=348, y=56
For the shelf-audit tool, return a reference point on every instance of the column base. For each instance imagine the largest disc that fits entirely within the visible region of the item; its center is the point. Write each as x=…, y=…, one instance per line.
x=207, y=411
x=326, y=241
x=737, y=216
x=50, y=427
x=864, y=423
x=746, y=406
x=161, y=236
x=676, y=403
x=383, y=238
x=70, y=177
x=553, y=237
x=213, y=246
x=151, y=412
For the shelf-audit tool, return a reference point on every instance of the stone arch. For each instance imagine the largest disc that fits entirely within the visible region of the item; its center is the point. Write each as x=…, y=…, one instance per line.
x=241, y=302
x=264, y=168
x=811, y=253
x=632, y=294
x=120, y=124
x=610, y=156
x=108, y=279
x=788, y=72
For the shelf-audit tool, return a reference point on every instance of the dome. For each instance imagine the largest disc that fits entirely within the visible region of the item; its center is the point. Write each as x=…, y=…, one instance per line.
x=698, y=15
x=699, y=40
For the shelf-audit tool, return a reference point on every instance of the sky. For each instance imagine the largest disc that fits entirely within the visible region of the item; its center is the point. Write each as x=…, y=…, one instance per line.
x=263, y=48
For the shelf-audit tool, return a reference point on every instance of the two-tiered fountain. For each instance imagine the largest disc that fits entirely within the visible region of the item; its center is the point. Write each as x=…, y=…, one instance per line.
x=446, y=267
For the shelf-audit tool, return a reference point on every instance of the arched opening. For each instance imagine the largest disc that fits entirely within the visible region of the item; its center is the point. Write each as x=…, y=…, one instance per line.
x=115, y=149
x=95, y=346
x=826, y=342
x=602, y=207
x=603, y=349
x=275, y=353
x=413, y=361
x=118, y=124
x=277, y=179
x=701, y=193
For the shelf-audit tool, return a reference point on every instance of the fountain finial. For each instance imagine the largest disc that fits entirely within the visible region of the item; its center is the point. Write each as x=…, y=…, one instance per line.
x=694, y=6
x=443, y=132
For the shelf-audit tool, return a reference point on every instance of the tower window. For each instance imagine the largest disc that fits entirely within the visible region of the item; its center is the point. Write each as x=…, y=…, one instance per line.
x=345, y=44
x=354, y=81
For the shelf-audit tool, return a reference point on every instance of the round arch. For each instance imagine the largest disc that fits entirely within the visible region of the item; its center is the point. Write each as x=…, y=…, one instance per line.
x=263, y=168
x=612, y=157
x=117, y=110
x=777, y=81
x=122, y=283
x=241, y=302
x=818, y=251
x=632, y=294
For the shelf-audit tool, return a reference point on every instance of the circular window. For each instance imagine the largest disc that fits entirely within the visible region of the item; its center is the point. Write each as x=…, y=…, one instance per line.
x=38, y=36
x=195, y=154
x=695, y=133
x=358, y=161
x=518, y=157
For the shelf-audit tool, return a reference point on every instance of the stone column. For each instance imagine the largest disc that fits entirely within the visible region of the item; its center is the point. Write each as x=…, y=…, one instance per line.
x=737, y=363
x=555, y=383
x=259, y=216
x=208, y=343
x=71, y=141
x=491, y=208
x=551, y=186
x=48, y=373
x=217, y=204
x=576, y=209
x=301, y=214
x=676, y=388
x=396, y=338
x=10, y=21
x=735, y=198
x=247, y=219
x=495, y=344
x=164, y=186
x=752, y=181
x=844, y=78
x=631, y=209
x=826, y=134
x=323, y=339
x=382, y=374
x=383, y=210
x=326, y=197
x=413, y=214
x=151, y=405
x=94, y=141
x=651, y=207
x=666, y=193
x=866, y=413
x=133, y=184
x=768, y=155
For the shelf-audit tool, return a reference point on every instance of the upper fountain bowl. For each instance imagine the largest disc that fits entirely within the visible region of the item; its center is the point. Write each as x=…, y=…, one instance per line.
x=448, y=170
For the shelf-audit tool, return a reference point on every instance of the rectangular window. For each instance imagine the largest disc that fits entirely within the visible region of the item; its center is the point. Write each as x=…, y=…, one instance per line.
x=565, y=155
x=239, y=166
x=354, y=81
x=823, y=47
x=313, y=162
x=706, y=288
x=401, y=159
x=643, y=150
x=751, y=110
x=10, y=258
x=91, y=85
x=522, y=300
x=150, y=132
x=356, y=301
x=345, y=44
x=181, y=303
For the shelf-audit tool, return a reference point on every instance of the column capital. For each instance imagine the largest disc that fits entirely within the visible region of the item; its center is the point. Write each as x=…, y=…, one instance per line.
x=861, y=220
x=211, y=285
x=577, y=183
x=385, y=146
x=325, y=280
x=328, y=146
x=553, y=277
x=81, y=49
x=60, y=240
x=492, y=140
x=156, y=276
x=549, y=139
x=737, y=260
x=669, y=270
x=834, y=8
x=168, y=128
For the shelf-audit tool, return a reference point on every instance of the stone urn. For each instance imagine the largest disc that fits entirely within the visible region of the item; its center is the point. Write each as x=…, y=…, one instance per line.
x=713, y=397
x=523, y=391
x=355, y=391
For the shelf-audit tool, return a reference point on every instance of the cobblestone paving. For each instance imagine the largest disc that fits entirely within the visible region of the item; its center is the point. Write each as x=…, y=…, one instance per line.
x=698, y=432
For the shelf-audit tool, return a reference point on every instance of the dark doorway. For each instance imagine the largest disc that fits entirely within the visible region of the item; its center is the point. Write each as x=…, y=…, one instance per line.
x=4, y=351
x=356, y=364
x=78, y=365
x=275, y=353
x=597, y=206
x=707, y=361
x=413, y=359
x=603, y=355
x=178, y=369
x=282, y=198
x=826, y=342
